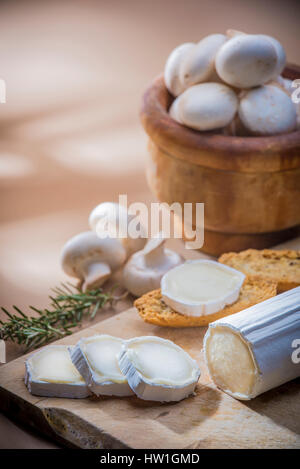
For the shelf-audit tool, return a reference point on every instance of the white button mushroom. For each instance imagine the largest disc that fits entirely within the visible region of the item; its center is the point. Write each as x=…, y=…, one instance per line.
x=171, y=73
x=198, y=64
x=113, y=219
x=281, y=55
x=91, y=259
x=278, y=82
x=144, y=270
x=207, y=106
x=267, y=110
x=247, y=60
x=174, y=111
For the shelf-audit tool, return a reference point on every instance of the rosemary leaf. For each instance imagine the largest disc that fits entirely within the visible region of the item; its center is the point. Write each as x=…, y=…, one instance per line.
x=68, y=307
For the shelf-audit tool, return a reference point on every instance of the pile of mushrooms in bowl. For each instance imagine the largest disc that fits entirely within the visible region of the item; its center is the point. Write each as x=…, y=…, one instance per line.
x=231, y=83
x=93, y=256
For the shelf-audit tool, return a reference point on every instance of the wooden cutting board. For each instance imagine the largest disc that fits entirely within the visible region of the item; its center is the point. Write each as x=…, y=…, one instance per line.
x=210, y=419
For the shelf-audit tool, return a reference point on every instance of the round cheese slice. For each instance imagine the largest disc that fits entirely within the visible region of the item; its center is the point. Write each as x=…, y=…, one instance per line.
x=201, y=287
x=50, y=372
x=96, y=359
x=158, y=370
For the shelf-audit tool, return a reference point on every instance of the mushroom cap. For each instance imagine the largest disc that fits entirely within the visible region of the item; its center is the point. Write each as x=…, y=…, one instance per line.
x=281, y=55
x=114, y=219
x=174, y=111
x=171, y=72
x=247, y=60
x=108, y=212
x=288, y=85
x=279, y=83
x=207, y=106
x=198, y=63
x=86, y=248
x=267, y=110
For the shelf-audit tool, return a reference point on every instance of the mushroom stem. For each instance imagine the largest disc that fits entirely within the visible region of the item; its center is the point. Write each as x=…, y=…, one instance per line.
x=145, y=268
x=95, y=275
x=154, y=252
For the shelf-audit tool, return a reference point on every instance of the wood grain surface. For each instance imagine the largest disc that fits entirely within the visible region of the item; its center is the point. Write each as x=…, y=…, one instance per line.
x=70, y=132
x=210, y=419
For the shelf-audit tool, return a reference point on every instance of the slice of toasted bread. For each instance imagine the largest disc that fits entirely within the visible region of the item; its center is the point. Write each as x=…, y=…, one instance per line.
x=281, y=266
x=153, y=309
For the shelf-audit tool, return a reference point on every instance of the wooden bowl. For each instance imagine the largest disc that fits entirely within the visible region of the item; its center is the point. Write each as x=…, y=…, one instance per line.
x=250, y=185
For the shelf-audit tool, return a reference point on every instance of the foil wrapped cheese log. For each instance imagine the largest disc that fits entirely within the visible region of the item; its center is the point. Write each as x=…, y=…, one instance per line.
x=252, y=351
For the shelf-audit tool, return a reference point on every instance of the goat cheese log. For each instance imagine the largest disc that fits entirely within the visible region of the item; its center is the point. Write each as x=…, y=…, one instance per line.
x=50, y=372
x=254, y=350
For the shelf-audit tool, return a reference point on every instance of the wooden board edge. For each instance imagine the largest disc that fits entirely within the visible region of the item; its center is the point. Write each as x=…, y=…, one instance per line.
x=30, y=416
x=53, y=422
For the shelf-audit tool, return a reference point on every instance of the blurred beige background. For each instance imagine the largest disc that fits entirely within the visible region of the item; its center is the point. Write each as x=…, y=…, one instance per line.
x=70, y=135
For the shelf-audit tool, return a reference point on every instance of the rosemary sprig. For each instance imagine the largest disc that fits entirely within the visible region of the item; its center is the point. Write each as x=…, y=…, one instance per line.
x=68, y=306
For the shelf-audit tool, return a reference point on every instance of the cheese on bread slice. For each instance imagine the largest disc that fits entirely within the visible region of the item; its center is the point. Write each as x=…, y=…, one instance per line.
x=154, y=310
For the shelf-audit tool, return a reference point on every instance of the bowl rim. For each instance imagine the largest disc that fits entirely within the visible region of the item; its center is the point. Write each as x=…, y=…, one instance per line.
x=223, y=152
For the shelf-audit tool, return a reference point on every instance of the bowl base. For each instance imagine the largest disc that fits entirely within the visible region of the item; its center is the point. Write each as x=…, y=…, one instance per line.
x=216, y=243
